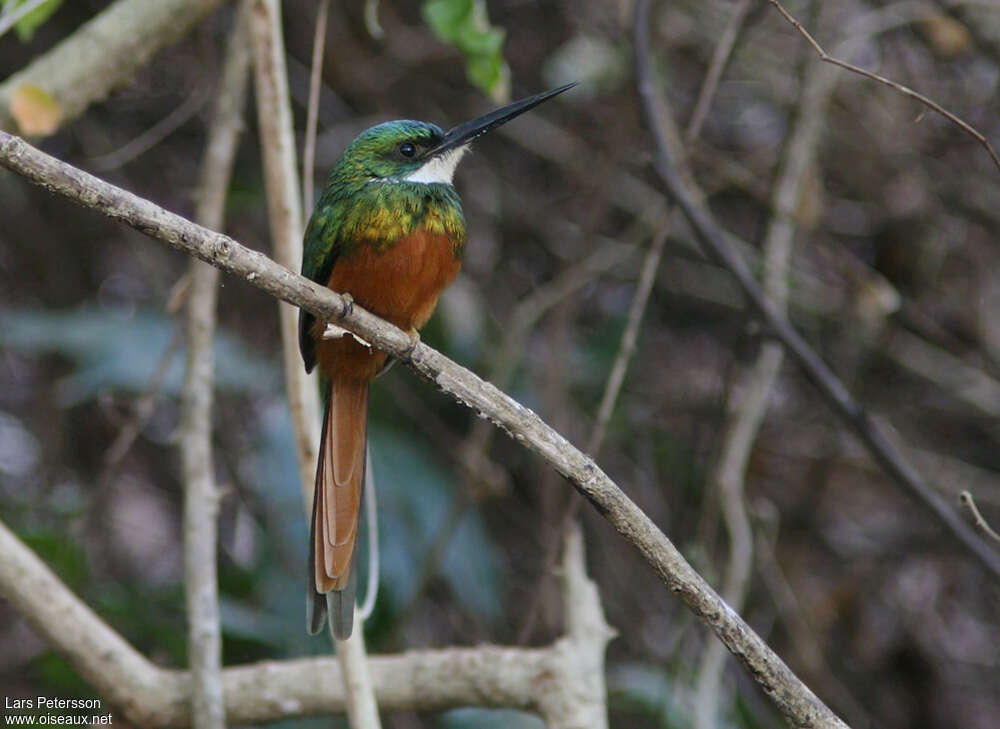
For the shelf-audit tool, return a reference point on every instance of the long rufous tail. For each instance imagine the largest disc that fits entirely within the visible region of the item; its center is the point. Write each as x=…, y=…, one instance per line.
x=340, y=475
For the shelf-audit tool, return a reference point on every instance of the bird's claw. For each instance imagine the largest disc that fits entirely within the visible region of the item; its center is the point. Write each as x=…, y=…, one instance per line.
x=414, y=341
x=348, y=305
x=335, y=331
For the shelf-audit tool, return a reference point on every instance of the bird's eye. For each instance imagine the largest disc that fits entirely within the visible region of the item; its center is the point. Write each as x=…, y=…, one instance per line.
x=407, y=149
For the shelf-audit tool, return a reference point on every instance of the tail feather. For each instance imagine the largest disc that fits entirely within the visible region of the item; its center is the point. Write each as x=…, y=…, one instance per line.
x=340, y=607
x=336, y=505
x=315, y=600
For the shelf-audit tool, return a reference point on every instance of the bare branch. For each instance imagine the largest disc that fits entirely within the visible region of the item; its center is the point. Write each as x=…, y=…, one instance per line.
x=155, y=134
x=579, y=700
x=793, y=698
x=559, y=681
x=966, y=500
x=905, y=90
x=143, y=408
x=626, y=346
x=312, y=115
x=524, y=317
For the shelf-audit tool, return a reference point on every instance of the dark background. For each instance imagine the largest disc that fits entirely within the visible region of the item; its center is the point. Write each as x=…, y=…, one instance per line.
x=894, y=281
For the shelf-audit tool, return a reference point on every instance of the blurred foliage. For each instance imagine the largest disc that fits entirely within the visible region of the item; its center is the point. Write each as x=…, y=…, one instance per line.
x=465, y=25
x=415, y=497
x=29, y=22
x=881, y=614
x=121, y=350
x=648, y=691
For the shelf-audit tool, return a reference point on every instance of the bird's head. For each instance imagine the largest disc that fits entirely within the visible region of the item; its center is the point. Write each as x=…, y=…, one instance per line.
x=421, y=152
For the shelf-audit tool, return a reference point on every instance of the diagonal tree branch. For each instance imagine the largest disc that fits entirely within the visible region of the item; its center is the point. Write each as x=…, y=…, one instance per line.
x=793, y=698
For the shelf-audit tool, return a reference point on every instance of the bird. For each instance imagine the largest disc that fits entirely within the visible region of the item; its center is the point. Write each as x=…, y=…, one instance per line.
x=388, y=231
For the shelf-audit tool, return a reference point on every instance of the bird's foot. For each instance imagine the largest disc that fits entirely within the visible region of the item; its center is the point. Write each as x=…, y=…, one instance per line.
x=335, y=331
x=348, y=305
x=414, y=341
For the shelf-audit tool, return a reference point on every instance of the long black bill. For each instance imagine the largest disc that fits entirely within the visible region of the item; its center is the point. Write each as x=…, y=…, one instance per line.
x=465, y=133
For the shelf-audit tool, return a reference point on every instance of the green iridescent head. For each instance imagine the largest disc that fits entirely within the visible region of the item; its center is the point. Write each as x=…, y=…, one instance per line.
x=421, y=152
x=393, y=151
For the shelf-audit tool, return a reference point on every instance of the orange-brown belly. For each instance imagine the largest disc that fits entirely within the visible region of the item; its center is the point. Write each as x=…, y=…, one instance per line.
x=401, y=284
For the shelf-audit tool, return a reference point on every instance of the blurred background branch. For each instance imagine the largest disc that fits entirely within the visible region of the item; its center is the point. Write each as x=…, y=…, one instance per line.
x=284, y=213
x=562, y=682
x=201, y=493
x=103, y=54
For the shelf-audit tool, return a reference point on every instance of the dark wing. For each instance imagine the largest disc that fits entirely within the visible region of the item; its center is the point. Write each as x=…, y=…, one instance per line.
x=320, y=250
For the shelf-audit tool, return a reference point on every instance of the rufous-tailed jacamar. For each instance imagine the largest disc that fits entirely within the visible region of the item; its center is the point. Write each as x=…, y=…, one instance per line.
x=389, y=231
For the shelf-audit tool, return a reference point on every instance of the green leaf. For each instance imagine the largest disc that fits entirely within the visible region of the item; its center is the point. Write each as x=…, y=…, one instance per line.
x=26, y=26
x=445, y=17
x=465, y=25
x=484, y=72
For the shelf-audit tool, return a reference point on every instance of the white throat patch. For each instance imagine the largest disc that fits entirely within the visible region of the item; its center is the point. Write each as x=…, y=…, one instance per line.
x=440, y=169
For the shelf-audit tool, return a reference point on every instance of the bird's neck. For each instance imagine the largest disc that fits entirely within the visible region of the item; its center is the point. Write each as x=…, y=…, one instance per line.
x=383, y=212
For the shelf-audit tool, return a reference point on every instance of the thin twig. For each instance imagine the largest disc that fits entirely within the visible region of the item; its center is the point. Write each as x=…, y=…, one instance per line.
x=612, y=388
x=372, y=25
x=627, y=343
x=905, y=90
x=966, y=500
x=366, y=608
x=312, y=114
x=201, y=496
x=720, y=57
x=790, y=695
x=144, y=406
x=485, y=471
x=715, y=242
x=529, y=311
x=141, y=144
x=802, y=630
